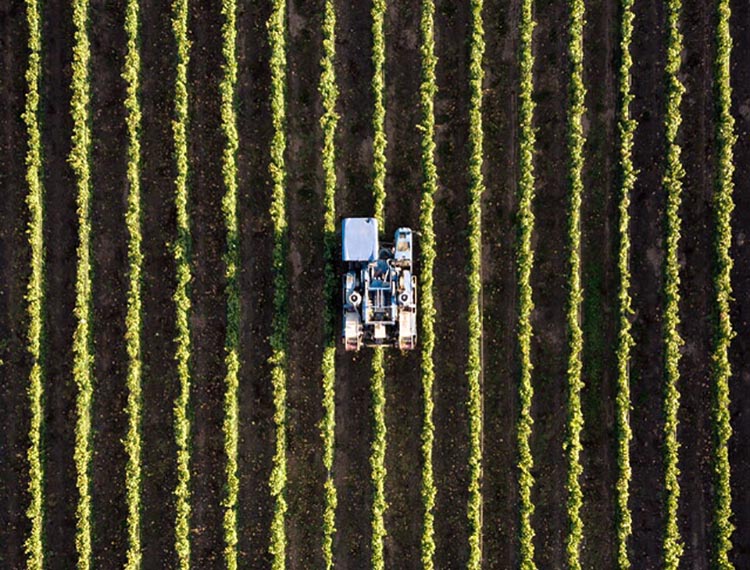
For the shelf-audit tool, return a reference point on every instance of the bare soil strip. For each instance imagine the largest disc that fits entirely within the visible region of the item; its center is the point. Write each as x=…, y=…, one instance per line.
x=548, y=281
x=647, y=234
x=599, y=273
x=159, y=371
x=354, y=172
x=256, y=306
x=452, y=21
x=109, y=255
x=14, y=274
x=60, y=237
x=306, y=286
x=208, y=313
x=695, y=431
x=740, y=349
x=403, y=521
x=500, y=312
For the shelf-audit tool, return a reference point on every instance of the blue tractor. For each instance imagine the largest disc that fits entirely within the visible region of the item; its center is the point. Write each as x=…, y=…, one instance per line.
x=379, y=287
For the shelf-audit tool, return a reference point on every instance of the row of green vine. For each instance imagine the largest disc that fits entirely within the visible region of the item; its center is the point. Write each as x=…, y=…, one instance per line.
x=35, y=294
x=427, y=91
x=277, y=167
x=133, y=323
x=328, y=122
x=524, y=264
x=574, y=426
x=722, y=371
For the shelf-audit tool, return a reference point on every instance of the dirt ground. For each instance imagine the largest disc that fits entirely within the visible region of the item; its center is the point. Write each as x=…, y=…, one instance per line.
x=306, y=474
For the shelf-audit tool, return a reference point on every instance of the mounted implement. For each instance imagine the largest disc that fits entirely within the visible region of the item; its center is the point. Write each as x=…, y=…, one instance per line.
x=379, y=287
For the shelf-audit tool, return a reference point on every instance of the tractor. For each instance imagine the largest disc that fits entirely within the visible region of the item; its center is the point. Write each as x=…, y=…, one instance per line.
x=379, y=287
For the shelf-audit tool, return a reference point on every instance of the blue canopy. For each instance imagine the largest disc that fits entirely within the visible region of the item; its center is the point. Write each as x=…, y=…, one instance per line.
x=359, y=239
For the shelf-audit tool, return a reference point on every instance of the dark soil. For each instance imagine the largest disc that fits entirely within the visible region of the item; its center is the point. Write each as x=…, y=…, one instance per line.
x=599, y=310
x=697, y=285
x=256, y=304
x=109, y=251
x=740, y=351
x=500, y=515
x=14, y=263
x=60, y=236
x=306, y=475
x=208, y=314
x=159, y=373
x=451, y=217
x=647, y=235
x=548, y=280
x=404, y=399
x=353, y=198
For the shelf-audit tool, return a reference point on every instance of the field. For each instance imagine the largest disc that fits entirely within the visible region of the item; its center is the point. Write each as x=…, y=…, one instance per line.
x=174, y=390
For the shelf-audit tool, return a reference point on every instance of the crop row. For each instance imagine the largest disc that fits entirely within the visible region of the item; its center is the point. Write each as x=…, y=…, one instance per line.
x=35, y=295
x=525, y=263
x=182, y=256
x=722, y=371
x=672, y=182
x=474, y=272
x=133, y=324
x=80, y=157
x=377, y=456
x=278, y=359
x=232, y=262
x=628, y=174
x=427, y=92
x=576, y=141
x=328, y=122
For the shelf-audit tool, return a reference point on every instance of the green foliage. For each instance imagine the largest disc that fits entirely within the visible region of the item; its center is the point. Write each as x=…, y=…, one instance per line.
x=576, y=140
x=232, y=262
x=82, y=339
x=525, y=263
x=722, y=371
x=182, y=255
x=474, y=272
x=427, y=92
x=377, y=459
x=672, y=182
x=628, y=176
x=277, y=40
x=378, y=116
x=35, y=293
x=133, y=324
x=328, y=122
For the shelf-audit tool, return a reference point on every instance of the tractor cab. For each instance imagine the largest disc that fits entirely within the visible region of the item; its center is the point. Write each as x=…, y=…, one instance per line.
x=379, y=287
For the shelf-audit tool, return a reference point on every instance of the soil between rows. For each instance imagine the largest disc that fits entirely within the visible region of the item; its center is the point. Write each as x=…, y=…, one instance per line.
x=740, y=350
x=15, y=255
x=110, y=282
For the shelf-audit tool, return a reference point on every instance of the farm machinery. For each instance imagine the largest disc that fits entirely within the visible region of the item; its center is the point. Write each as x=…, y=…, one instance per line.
x=379, y=287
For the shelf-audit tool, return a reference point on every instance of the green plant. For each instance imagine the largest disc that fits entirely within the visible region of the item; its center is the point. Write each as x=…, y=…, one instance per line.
x=377, y=458
x=182, y=256
x=474, y=272
x=80, y=157
x=672, y=182
x=328, y=122
x=427, y=92
x=276, y=36
x=576, y=140
x=628, y=176
x=133, y=324
x=722, y=370
x=232, y=262
x=524, y=265
x=35, y=293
